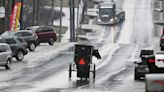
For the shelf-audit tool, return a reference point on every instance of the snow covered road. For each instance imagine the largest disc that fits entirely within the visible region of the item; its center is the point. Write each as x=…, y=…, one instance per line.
x=46, y=69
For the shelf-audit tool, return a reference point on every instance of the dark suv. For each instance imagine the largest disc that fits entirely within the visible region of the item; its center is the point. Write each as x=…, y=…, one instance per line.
x=17, y=45
x=46, y=34
x=162, y=42
x=29, y=36
x=141, y=68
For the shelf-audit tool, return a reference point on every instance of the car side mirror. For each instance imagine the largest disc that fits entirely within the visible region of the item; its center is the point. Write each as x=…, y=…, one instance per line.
x=135, y=62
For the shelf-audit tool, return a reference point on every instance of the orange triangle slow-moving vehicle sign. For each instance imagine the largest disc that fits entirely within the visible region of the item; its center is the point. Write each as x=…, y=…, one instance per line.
x=82, y=61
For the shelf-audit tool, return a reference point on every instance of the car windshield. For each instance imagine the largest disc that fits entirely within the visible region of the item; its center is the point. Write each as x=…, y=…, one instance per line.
x=8, y=33
x=147, y=52
x=10, y=41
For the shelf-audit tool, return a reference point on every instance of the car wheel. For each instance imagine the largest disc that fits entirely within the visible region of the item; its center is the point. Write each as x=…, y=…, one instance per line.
x=136, y=77
x=162, y=48
x=38, y=43
x=51, y=41
x=8, y=64
x=19, y=55
x=32, y=46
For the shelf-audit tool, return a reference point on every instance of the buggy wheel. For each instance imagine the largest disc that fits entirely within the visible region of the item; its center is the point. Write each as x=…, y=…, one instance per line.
x=70, y=70
x=94, y=71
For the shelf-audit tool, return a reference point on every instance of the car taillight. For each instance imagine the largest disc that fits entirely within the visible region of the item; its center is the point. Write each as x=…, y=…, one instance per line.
x=162, y=38
x=161, y=82
x=151, y=60
x=82, y=62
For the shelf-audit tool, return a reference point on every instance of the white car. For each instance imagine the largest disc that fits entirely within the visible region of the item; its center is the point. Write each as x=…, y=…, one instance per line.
x=155, y=80
x=154, y=83
x=159, y=59
x=5, y=55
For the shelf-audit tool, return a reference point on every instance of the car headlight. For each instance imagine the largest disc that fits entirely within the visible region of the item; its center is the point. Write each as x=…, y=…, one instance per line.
x=111, y=20
x=99, y=20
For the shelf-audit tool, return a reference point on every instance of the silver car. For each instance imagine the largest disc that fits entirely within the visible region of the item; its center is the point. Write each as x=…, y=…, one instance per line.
x=5, y=55
x=30, y=37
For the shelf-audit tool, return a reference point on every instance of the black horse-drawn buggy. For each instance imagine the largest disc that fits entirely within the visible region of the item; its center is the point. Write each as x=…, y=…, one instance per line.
x=83, y=61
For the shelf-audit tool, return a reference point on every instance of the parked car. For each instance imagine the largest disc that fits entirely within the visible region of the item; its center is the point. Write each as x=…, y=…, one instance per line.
x=5, y=55
x=30, y=37
x=45, y=34
x=141, y=68
x=17, y=45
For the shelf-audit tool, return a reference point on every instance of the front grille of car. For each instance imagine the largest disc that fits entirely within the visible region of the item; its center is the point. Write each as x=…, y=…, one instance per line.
x=105, y=19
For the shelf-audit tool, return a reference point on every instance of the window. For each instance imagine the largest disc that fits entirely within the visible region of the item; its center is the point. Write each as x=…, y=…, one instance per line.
x=48, y=29
x=19, y=34
x=10, y=41
x=45, y=29
x=20, y=40
x=1, y=41
x=2, y=49
x=7, y=48
x=8, y=33
x=26, y=34
x=40, y=29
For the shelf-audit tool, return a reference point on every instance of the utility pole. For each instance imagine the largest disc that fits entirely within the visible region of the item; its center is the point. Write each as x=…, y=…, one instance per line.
x=33, y=14
x=3, y=19
x=52, y=18
x=38, y=12
x=21, y=17
x=77, y=25
x=60, y=28
x=72, y=20
x=84, y=7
